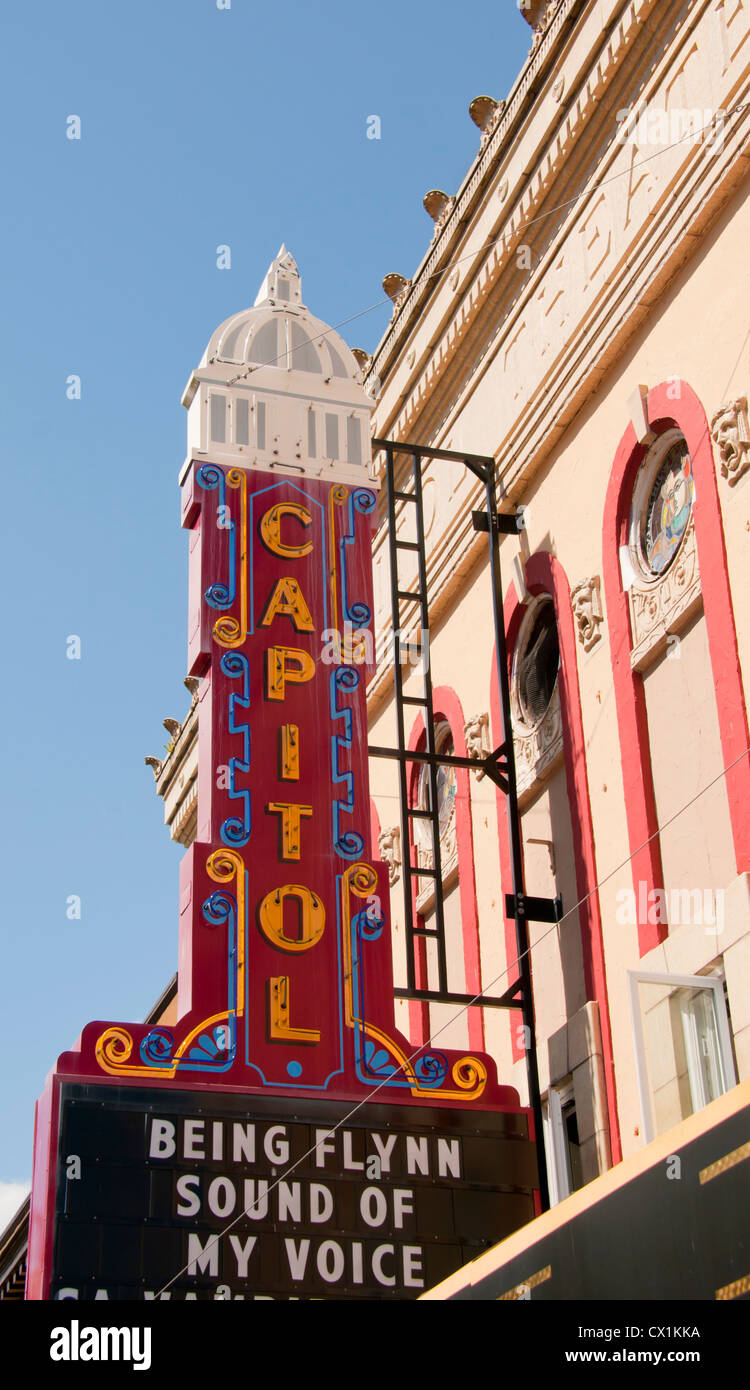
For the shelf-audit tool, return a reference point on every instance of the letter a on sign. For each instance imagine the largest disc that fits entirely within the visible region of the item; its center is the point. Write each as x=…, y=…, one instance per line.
x=288, y=599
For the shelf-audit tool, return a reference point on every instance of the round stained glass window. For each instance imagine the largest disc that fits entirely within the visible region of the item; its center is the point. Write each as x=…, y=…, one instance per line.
x=666, y=513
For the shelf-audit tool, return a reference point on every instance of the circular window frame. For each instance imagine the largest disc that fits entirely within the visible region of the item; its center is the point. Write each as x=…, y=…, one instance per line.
x=521, y=720
x=642, y=488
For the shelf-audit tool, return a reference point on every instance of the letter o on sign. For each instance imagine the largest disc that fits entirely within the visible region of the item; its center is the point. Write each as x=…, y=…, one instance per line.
x=373, y=1206
x=330, y=1261
x=311, y=917
x=222, y=1197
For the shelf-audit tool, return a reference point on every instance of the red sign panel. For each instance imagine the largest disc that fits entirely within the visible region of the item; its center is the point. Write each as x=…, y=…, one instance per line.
x=285, y=971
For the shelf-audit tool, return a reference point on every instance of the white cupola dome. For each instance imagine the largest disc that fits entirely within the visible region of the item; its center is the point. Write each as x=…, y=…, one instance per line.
x=278, y=389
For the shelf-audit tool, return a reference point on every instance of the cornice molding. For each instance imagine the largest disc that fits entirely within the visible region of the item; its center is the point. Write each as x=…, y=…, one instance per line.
x=698, y=187
x=397, y=422
x=488, y=156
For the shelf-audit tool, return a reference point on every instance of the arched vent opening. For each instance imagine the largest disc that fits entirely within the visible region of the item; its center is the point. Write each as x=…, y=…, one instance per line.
x=536, y=664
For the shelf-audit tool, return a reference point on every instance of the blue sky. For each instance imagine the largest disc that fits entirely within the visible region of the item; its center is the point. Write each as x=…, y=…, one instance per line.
x=200, y=127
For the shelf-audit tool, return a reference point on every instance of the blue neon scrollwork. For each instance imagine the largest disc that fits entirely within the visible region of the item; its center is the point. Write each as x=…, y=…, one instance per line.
x=361, y=500
x=219, y=595
x=235, y=831
x=348, y=843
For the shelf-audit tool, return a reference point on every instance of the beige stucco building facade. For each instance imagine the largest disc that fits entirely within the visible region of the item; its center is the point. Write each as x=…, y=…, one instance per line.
x=581, y=316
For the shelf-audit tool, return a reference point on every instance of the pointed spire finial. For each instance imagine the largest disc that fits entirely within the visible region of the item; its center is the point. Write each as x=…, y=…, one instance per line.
x=281, y=282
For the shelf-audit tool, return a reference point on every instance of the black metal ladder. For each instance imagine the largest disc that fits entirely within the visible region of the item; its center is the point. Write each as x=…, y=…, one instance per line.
x=498, y=765
x=411, y=811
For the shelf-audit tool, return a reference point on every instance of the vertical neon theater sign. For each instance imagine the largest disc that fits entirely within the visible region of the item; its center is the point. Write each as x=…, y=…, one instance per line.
x=285, y=971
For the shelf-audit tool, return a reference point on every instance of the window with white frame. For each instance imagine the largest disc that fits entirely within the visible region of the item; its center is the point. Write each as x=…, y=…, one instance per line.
x=683, y=1045
x=564, y=1160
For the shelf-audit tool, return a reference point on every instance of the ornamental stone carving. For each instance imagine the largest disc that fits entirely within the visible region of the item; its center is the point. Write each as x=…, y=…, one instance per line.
x=389, y=848
x=536, y=749
x=539, y=14
x=534, y=11
x=364, y=362
x=587, y=611
x=449, y=845
x=731, y=435
x=448, y=848
x=426, y=860
x=397, y=288
x=425, y=857
x=657, y=609
x=486, y=113
x=476, y=733
x=439, y=206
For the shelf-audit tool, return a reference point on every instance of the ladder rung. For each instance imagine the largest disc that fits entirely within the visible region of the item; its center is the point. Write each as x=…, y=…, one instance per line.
x=421, y=815
x=419, y=873
x=405, y=496
x=407, y=545
x=407, y=597
x=424, y=931
x=414, y=700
